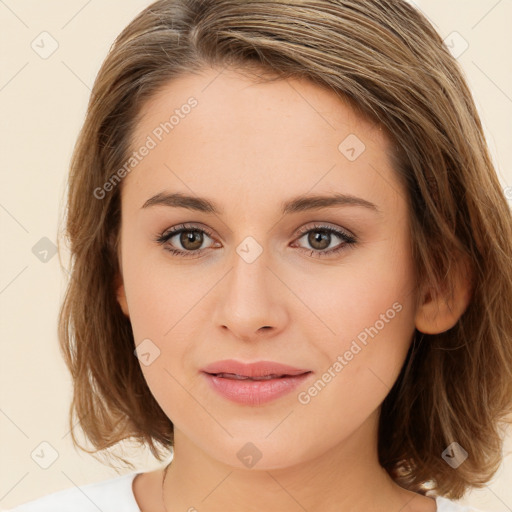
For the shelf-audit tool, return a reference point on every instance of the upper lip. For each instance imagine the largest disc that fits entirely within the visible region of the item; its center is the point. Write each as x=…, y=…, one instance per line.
x=257, y=369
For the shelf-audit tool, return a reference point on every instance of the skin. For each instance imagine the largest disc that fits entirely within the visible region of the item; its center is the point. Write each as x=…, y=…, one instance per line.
x=248, y=147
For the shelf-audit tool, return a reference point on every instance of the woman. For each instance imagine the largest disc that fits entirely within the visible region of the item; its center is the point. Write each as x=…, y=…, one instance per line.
x=286, y=210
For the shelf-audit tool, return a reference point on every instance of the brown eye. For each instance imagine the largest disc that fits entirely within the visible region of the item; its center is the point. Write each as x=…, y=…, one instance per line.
x=191, y=240
x=319, y=239
x=184, y=240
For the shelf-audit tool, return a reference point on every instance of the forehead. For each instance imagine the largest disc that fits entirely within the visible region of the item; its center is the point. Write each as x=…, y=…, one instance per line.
x=235, y=98
x=243, y=134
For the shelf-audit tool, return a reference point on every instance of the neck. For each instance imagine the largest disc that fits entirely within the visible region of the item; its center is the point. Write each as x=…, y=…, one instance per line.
x=345, y=477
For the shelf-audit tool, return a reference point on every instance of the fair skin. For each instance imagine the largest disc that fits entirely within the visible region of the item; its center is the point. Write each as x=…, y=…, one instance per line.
x=249, y=147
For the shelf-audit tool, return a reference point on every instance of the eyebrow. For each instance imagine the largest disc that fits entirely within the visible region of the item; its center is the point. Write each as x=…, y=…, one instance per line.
x=297, y=204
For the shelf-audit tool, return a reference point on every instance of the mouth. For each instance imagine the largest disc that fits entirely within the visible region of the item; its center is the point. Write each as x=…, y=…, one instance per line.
x=235, y=376
x=233, y=369
x=253, y=384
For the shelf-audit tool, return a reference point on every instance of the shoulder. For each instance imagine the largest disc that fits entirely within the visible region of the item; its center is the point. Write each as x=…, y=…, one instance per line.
x=112, y=495
x=446, y=505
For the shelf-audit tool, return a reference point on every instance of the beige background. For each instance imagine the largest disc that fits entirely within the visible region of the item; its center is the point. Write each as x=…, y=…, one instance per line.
x=43, y=103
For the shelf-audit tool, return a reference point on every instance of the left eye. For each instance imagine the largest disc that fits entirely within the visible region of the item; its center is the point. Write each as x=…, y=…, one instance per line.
x=320, y=238
x=191, y=239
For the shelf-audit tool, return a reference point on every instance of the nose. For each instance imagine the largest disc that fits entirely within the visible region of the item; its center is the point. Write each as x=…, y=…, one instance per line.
x=250, y=300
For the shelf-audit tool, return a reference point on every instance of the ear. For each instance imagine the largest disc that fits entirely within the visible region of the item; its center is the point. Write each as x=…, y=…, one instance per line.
x=121, y=295
x=115, y=247
x=439, y=313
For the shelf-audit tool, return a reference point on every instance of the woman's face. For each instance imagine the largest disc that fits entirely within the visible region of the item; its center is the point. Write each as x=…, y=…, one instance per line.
x=261, y=278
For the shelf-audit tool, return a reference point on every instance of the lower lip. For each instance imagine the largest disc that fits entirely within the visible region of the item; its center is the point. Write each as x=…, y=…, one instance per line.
x=255, y=392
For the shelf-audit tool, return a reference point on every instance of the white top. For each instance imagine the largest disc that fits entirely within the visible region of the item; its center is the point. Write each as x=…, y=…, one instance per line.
x=116, y=495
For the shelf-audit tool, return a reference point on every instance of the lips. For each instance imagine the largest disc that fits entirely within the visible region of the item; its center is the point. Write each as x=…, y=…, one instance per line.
x=261, y=370
x=254, y=384
x=243, y=377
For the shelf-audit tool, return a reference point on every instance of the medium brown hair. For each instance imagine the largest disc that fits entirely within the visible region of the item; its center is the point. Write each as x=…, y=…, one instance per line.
x=386, y=59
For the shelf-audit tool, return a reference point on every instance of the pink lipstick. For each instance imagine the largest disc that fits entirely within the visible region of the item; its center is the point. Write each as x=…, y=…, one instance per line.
x=253, y=383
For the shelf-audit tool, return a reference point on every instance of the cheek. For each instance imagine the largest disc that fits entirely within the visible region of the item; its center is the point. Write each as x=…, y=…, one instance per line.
x=373, y=331
x=369, y=295
x=361, y=364
x=166, y=319
x=159, y=292
x=369, y=310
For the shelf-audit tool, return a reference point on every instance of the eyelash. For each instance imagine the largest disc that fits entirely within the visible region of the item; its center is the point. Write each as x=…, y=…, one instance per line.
x=163, y=238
